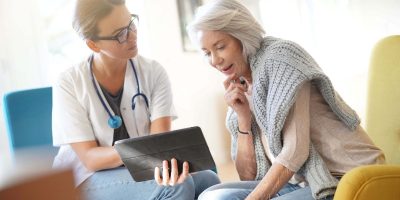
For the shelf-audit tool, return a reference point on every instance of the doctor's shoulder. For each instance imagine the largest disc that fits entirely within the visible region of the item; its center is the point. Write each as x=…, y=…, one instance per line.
x=150, y=67
x=74, y=75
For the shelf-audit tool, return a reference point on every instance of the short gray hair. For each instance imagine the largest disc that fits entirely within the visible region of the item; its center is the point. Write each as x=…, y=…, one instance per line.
x=231, y=17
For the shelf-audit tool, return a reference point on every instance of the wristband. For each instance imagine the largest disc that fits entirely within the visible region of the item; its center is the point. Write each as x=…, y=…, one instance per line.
x=244, y=133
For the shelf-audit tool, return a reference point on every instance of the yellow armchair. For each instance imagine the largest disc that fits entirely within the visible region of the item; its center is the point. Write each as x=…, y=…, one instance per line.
x=371, y=182
x=383, y=126
x=383, y=101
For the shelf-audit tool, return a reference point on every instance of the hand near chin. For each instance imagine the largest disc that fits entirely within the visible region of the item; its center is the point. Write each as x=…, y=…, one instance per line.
x=173, y=178
x=235, y=95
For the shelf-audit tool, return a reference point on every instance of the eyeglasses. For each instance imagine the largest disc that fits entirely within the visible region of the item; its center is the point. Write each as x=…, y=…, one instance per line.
x=122, y=36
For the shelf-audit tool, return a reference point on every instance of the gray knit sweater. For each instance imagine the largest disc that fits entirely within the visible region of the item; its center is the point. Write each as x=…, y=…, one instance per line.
x=279, y=68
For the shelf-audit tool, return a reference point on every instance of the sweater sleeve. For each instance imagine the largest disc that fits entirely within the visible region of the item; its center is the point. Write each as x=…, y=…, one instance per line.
x=296, y=132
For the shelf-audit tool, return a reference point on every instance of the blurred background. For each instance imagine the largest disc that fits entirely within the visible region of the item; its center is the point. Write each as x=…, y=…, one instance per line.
x=37, y=43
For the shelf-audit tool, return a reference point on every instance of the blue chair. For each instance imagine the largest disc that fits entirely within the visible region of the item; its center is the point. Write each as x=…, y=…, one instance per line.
x=28, y=119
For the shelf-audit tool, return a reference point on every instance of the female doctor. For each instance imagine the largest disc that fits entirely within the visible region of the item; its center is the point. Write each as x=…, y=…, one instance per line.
x=115, y=94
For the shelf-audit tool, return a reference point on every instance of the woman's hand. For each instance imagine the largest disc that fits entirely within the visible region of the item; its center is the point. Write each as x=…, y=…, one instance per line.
x=236, y=98
x=173, y=178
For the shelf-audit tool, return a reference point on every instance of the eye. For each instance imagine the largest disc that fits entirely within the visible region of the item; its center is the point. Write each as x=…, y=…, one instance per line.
x=221, y=47
x=132, y=26
x=122, y=34
x=206, y=53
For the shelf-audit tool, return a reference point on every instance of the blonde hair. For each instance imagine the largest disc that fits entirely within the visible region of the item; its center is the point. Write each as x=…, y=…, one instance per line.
x=88, y=13
x=232, y=18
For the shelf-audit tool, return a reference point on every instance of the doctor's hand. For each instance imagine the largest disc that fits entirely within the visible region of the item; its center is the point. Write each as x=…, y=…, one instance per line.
x=173, y=178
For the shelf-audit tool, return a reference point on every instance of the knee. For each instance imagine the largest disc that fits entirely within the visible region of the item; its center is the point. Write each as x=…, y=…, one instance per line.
x=182, y=191
x=218, y=194
x=185, y=187
x=212, y=177
x=208, y=177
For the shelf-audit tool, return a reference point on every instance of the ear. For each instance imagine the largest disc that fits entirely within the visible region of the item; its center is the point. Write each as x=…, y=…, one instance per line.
x=92, y=45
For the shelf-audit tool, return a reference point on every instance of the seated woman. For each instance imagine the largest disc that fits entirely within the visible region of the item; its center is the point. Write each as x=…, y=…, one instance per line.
x=284, y=116
x=112, y=95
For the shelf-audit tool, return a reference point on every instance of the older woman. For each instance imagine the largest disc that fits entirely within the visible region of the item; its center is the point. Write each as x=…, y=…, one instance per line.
x=284, y=116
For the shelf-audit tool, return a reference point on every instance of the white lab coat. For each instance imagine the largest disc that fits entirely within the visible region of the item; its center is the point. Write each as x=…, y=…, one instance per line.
x=78, y=114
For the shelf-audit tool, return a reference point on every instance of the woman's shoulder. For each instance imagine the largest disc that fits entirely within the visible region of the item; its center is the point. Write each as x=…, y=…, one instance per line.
x=272, y=48
x=74, y=73
x=282, y=51
x=147, y=63
x=276, y=46
x=149, y=67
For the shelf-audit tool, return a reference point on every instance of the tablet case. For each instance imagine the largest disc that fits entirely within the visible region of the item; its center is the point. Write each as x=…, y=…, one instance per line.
x=142, y=154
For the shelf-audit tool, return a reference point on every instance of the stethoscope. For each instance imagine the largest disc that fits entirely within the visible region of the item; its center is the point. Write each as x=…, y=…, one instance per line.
x=115, y=121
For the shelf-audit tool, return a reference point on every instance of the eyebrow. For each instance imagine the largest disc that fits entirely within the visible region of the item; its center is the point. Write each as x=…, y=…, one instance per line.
x=119, y=29
x=215, y=44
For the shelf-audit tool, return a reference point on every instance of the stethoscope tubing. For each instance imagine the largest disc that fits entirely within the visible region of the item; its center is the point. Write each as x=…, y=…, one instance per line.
x=116, y=121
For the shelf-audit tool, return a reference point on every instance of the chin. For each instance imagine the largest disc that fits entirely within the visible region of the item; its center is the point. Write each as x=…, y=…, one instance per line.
x=133, y=54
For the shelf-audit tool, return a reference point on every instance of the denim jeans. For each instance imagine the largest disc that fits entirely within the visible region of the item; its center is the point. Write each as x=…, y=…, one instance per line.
x=118, y=184
x=240, y=190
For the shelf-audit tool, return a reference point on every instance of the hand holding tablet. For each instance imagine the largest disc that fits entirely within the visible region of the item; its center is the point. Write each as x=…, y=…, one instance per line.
x=141, y=155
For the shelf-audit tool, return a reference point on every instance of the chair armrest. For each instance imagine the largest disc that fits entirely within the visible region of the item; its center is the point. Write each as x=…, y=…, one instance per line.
x=370, y=182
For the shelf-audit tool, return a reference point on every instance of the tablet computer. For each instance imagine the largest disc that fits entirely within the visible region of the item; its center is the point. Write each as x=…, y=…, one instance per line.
x=142, y=154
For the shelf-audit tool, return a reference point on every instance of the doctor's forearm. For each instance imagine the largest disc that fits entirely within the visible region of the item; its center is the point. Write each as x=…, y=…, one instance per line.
x=160, y=125
x=96, y=158
x=99, y=158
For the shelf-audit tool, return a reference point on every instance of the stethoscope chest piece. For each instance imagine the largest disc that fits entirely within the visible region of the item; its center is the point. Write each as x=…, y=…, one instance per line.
x=115, y=121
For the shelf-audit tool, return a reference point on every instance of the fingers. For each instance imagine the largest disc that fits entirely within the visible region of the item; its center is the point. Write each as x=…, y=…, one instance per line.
x=233, y=84
x=175, y=178
x=165, y=172
x=174, y=172
x=157, y=177
x=185, y=172
x=235, y=96
x=185, y=168
x=229, y=80
x=236, y=87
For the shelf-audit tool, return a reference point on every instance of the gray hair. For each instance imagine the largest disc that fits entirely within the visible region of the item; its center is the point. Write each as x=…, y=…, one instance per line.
x=89, y=12
x=231, y=17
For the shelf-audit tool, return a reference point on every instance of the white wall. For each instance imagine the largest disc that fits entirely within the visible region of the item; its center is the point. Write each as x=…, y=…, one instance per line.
x=20, y=55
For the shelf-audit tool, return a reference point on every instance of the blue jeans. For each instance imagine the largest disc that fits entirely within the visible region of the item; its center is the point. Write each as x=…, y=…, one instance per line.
x=118, y=184
x=240, y=190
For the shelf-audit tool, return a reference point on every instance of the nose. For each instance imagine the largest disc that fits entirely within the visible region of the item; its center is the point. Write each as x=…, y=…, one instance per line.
x=215, y=59
x=132, y=35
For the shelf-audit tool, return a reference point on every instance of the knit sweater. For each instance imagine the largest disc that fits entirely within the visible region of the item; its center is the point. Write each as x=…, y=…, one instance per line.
x=279, y=68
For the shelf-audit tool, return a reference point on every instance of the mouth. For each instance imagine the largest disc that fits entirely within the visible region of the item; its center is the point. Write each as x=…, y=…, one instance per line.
x=133, y=48
x=226, y=68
